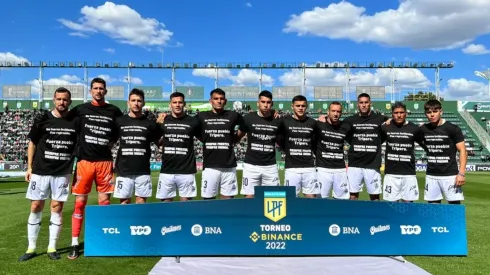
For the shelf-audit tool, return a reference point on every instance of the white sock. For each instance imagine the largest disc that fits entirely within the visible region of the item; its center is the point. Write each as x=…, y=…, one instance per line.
x=33, y=228
x=74, y=241
x=54, y=230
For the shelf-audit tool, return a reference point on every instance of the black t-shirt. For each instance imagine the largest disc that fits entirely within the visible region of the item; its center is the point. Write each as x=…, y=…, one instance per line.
x=365, y=142
x=135, y=137
x=441, y=148
x=217, y=134
x=261, y=135
x=330, y=144
x=400, y=147
x=98, y=130
x=55, y=140
x=298, y=140
x=178, y=145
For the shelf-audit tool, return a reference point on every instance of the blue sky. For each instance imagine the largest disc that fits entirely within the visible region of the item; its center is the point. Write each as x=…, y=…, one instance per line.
x=252, y=32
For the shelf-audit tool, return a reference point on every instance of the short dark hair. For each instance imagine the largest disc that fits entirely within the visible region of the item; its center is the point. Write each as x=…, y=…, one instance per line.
x=98, y=80
x=364, y=95
x=62, y=90
x=432, y=104
x=177, y=94
x=217, y=91
x=137, y=92
x=299, y=98
x=335, y=103
x=397, y=105
x=266, y=94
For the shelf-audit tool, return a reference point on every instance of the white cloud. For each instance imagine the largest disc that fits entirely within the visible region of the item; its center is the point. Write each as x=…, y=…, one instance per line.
x=463, y=89
x=12, y=58
x=79, y=34
x=110, y=50
x=418, y=24
x=134, y=80
x=248, y=4
x=405, y=79
x=476, y=49
x=120, y=23
x=243, y=78
x=179, y=83
x=62, y=80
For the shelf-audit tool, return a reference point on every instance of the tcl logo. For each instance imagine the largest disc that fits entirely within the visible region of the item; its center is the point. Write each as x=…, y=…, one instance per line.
x=110, y=230
x=410, y=229
x=140, y=230
x=440, y=229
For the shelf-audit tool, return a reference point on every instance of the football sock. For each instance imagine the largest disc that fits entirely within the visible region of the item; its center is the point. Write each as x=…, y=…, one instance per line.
x=33, y=228
x=77, y=220
x=54, y=230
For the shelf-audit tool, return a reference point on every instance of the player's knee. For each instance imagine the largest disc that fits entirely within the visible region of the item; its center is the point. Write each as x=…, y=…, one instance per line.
x=37, y=206
x=56, y=206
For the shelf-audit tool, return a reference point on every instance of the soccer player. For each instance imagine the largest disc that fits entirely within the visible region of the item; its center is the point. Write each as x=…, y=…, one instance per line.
x=330, y=163
x=442, y=140
x=400, y=181
x=298, y=139
x=260, y=167
x=94, y=156
x=218, y=135
x=52, y=140
x=136, y=133
x=364, y=156
x=178, y=157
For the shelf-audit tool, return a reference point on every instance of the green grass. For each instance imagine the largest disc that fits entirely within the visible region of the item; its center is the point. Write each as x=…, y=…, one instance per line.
x=15, y=210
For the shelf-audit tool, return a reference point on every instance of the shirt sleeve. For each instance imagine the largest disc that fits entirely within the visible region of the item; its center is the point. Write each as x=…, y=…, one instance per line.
x=456, y=134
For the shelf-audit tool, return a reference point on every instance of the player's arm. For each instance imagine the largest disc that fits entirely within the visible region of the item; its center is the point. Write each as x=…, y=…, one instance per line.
x=419, y=138
x=280, y=135
x=463, y=158
x=241, y=129
x=34, y=136
x=31, y=149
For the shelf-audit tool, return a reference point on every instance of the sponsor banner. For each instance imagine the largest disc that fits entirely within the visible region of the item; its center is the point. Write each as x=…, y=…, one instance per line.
x=13, y=166
x=469, y=167
x=328, y=92
x=151, y=92
x=199, y=166
x=482, y=167
x=191, y=92
x=281, y=165
x=12, y=174
x=373, y=91
x=16, y=91
x=274, y=224
x=156, y=166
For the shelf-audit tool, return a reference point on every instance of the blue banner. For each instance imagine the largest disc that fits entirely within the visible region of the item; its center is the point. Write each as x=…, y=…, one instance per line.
x=276, y=223
x=155, y=166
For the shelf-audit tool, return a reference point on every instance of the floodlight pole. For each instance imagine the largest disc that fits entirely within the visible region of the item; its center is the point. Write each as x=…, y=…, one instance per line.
x=392, y=99
x=173, y=79
x=86, y=89
x=260, y=79
x=41, y=84
x=303, y=85
x=129, y=78
x=347, y=84
x=216, y=83
x=438, y=84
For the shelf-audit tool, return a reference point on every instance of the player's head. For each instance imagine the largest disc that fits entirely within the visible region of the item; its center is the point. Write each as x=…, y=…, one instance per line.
x=334, y=112
x=136, y=101
x=62, y=99
x=264, y=102
x=299, y=106
x=364, y=104
x=217, y=99
x=433, y=110
x=98, y=89
x=177, y=104
x=399, y=113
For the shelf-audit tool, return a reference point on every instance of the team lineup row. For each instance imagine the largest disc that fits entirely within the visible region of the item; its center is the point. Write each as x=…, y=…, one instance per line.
x=314, y=159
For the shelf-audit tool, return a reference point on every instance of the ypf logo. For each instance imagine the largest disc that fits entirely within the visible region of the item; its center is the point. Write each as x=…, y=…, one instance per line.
x=140, y=230
x=410, y=229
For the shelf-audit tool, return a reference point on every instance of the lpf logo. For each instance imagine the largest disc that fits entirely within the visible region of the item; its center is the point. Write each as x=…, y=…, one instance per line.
x=140, y=230
x=410, y=229
x=275, y=205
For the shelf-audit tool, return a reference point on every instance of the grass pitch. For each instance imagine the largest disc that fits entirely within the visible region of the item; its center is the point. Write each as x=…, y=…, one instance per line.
x=15, y=211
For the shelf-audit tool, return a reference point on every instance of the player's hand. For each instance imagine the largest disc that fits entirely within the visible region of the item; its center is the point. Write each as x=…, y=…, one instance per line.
x=161, y=117
x=275, y=114
x=460, y=180
x=388, y=121
x=28, y=175
x=322, y=118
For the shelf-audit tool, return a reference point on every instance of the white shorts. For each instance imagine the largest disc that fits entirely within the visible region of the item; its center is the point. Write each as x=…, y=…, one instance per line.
x=254, y=175
x=225, y=178
x=40, y=187
x=436, y=186
x=335, y=181
x=305, y=182
x=371, y=177
x=400, y=187
x=140, y=184
x=168, y=184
